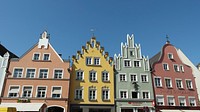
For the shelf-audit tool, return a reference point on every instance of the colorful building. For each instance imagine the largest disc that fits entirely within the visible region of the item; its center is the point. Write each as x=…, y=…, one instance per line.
x=92, y=80
x=38, y=80
x=133, y=83
x=174, y=82
x=5, y=56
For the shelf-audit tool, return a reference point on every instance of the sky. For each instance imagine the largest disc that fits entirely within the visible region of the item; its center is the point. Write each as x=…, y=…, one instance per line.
x=69, y=23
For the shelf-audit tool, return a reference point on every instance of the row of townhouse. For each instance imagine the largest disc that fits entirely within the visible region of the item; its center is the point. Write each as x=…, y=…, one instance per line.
x=41, y=81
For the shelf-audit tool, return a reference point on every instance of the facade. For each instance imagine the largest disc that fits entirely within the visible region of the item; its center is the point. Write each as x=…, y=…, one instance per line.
x=92, y=80
x=5, y=55
x=174, y=82
x=133, y=83
x=38, y=80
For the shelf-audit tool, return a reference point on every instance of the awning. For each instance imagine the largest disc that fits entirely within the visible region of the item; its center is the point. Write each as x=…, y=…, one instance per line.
x=24, y=106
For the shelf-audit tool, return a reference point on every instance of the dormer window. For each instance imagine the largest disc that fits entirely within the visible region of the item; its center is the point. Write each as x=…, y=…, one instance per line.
x=46, y=57
x=170, y=56
x=96, y=61
x=88, y=61
x=36, y=56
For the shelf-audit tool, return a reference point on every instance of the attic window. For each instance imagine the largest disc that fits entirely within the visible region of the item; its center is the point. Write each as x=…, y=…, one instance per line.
x=170, y=56
x=36, y=56
x=46, y=57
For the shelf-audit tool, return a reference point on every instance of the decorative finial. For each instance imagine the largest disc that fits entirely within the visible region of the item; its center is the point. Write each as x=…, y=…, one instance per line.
x=167, y=37
x=92, y=30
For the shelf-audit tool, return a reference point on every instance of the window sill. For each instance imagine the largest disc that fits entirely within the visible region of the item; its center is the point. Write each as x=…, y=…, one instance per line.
x=169, y=87
x=41, y=60
x=106, y=81
x=181, y=88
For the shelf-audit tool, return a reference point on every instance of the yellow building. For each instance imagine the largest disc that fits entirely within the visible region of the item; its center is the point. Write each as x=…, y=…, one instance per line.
x=92, y=80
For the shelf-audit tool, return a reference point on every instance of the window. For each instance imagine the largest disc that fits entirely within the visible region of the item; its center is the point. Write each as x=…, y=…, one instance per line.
x=182, y=101
x=92, y=94
x=30, y=73
x=43, y=73
x=179, y=84
x=189, y=84
x=36, y=56
x=13, y=91
x=46, y=57
x=135, y=94
x=105, y=76
x=170, y=56
x=123, y=94
x=17, y=73
x=79, y=75
x=181, y=68
x=41, y=92
x=79, y=94
x=192, y=101
x=137, y=64
x=96, y=61
x=122, y=77
x=58, y=74
x=160, y=100
x=165, y=67
x=144, y=78
x=145, y=95
x=127, y=63
x=171, y=101
x=168, y=83
x=88, y=61
x=176, y=68
x=93, y=76
x=27, y=92
x=56, y=92
x=105, y=94
x=133, y=77
x=131, y=53
x=158, y=82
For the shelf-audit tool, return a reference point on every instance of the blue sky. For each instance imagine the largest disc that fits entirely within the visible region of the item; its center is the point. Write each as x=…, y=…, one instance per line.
x=69, y=23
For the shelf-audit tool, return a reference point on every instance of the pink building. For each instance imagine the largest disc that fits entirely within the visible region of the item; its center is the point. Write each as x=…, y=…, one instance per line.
x=38, y=80
x=174, y=83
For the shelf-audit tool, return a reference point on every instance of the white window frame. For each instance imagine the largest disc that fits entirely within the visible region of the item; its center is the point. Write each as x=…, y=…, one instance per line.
x=170, y=56
x=176, y=69
x=78, y=75
x=190, y=83
x=167, y=69
x=181, y=68
x=123, y=95
x=104, y=97
x=161, y=97
x=31, y=73
x=179, y=100
x=43, y=58
x=97, y=61
x=16, y=92
x=137, y=65
x=18, y=73
x=94, y=76
x=91, y=97
x=23, y=91
x=146, y=91
x=173, y=100
x=104, y=79
x=120, y=78
x=170, y=82
x=43, y=76
x=180, y=84
x=88, y=62
x=56, y=93
x=125, y=64
x=156, y=81
x=138, y=94
x=147, y=78
x=189, y=101
x=58, y=69
x=78, y=97
x=136, y=77
x=45, y=91
x=33, y=58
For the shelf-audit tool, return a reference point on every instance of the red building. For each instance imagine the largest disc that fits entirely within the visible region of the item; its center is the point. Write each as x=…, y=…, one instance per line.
x=174, y=84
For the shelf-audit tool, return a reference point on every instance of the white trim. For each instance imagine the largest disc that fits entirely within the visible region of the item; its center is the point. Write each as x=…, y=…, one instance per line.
x=167, y=66
x=18, y=94
x=178, y=69
x=171, y=96
x=58, y=69
x=138, y=94
x=140, y=65
x=181, y=83
x=43, y=69
x=179, y=97
x=49, y=58
x=37, y=91
x=34, y=56
x=191, y=83
x=82, y=94
x=147, y=78
x=93, y=71
x=170, y=82
x=86, y=61
x=27, y=70
x=60, y=91
x=31, y=90
x=126, y=93
x=161, y=85
x=99, y=60
x=148, y=94
x=162, y=97
x=56, y=53
x=172, y=56
x=18, y=68
x=130, y=62
x=125, y=77
x=108, y=76
x=79, y=70
x=130, y=74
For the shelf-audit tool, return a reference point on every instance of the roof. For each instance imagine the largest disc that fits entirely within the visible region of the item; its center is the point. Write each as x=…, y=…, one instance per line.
x=3, y=50
x=154, y=59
